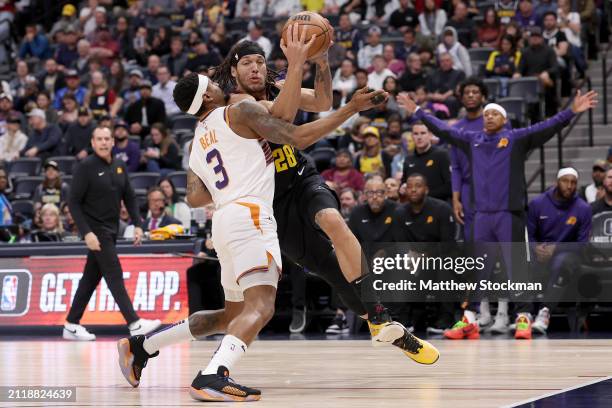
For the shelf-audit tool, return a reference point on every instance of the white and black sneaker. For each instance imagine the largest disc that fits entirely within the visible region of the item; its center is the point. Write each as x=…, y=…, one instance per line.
x=77, y=332
x=143, y=326
x=339, y=325
x=542, y=320
x=298, y=320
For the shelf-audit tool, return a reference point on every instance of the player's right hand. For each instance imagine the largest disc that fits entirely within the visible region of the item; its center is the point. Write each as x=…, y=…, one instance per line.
x=365, y=98
x=296, y=48
x=91, y=240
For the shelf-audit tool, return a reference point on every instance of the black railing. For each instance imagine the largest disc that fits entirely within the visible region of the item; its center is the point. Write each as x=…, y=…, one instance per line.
x=561, y=136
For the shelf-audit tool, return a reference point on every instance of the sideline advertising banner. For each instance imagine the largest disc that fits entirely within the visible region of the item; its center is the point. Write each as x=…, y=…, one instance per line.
x=39, y=290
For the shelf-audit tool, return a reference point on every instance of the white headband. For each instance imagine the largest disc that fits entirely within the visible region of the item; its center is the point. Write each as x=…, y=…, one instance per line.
x=496, y=107
x=196, y=104
x=567, y=171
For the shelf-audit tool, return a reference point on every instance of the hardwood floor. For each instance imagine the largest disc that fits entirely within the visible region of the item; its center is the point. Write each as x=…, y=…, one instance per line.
x=317, y=373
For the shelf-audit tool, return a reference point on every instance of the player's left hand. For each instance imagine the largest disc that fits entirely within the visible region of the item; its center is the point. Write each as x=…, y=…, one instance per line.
x=366, y=98
x=296, y=48
x=405, y=102
x=138, y=234
x=584, y=102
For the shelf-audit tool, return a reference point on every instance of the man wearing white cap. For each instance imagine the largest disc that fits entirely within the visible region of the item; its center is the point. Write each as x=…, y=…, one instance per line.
x=45, y=139
x=555, y=217
x=497, y=160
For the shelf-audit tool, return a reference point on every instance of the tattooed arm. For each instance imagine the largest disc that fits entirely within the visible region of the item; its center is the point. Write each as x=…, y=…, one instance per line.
x=251, y=120
x=320, y=98
x=196, y=194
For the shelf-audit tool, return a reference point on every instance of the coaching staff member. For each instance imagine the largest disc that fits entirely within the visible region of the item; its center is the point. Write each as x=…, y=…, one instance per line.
x=98, y=186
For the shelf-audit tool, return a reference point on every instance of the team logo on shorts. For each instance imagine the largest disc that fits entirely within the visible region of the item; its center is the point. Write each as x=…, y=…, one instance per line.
x=571, y=220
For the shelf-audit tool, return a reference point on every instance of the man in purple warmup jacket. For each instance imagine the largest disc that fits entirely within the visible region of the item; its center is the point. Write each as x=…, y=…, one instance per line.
x=557, y=216
x=497, y=161
x=474, y=94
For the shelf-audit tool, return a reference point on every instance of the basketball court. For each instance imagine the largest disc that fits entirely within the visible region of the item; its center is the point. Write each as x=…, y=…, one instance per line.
x=328, y=373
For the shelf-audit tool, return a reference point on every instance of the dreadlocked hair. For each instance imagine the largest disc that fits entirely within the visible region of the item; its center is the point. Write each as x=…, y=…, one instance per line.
x=223, y=72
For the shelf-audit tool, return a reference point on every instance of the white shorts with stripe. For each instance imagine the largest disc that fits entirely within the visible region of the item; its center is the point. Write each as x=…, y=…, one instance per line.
x=244, y=236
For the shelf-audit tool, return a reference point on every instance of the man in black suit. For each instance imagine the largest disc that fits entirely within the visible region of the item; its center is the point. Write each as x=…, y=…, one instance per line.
x=157, y=206
x=139, y=119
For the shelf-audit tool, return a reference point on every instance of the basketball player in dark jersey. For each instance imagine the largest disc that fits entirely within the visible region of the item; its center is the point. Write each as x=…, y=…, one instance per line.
x=312, y=232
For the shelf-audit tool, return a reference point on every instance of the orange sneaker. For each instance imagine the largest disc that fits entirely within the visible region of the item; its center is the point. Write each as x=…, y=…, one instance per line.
x=463, y=330
x=523, y=327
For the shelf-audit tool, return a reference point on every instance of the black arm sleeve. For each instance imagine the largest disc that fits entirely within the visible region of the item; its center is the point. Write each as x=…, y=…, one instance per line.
x=129, y=198
x=443, y=191
x=78, y=189
x=447, y=224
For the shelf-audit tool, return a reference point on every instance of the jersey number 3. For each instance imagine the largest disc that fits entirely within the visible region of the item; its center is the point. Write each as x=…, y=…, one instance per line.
x=218, y=169
x=284, y=158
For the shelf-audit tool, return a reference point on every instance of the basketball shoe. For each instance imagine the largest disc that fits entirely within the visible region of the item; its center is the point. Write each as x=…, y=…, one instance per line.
x=523, y=327
x=77, y=332
x=133, y=358
x=382, y=320
x=463, y=330
x=220, y=387
x=143, y=326
x=541, y=321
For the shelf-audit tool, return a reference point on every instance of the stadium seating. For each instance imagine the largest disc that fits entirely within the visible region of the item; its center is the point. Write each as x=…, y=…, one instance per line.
x=141, y=182
x=179, y=179
x=65, y=163
x=25, y=186
x=26, y=165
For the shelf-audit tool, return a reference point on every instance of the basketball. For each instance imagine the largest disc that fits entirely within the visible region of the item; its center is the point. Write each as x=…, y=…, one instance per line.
x=316, y=25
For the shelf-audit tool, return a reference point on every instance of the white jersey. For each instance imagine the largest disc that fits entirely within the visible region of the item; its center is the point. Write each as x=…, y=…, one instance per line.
x=231, y=166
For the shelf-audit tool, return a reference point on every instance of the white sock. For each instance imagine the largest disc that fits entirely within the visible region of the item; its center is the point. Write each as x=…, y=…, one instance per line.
x=176, y=333
x=229, y=352
x=502, y=307
x=470, y=316
x=484, y=307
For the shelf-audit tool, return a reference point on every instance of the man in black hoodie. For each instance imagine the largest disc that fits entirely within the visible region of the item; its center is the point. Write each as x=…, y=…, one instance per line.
x=145, y=111
x=78, y=135
x=430, y=161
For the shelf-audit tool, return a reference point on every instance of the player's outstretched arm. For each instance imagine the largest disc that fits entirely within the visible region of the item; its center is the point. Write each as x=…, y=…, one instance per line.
x=435, y=125
x=320, y=98
x=287, y=102
x=538, y=134
x=251, y=119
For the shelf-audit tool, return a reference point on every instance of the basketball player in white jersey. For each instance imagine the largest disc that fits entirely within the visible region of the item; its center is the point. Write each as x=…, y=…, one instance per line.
x=232, y=161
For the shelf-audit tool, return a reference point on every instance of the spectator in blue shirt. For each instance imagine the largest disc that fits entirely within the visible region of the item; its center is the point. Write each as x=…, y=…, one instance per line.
x=35, y=44
x=73, y=86
x=124, y=148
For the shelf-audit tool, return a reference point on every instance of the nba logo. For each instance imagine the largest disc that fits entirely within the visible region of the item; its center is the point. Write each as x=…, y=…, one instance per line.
x=9, y=293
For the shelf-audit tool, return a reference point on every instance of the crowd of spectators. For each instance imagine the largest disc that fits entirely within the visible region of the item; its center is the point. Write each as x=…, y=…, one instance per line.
x=115, y=63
